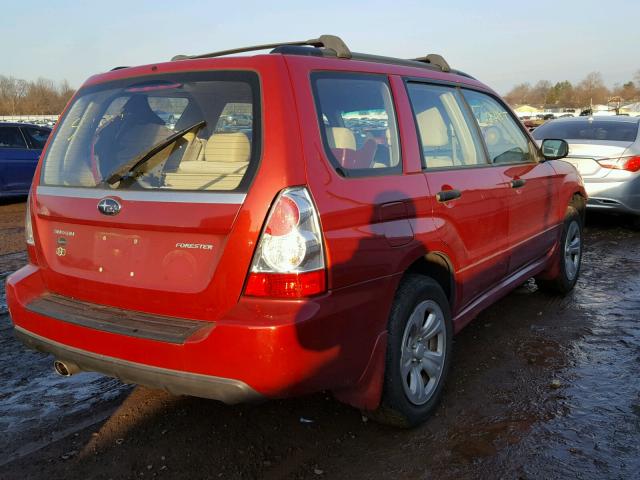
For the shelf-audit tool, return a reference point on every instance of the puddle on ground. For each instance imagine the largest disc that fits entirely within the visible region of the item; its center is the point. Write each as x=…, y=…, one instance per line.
x=35, y=403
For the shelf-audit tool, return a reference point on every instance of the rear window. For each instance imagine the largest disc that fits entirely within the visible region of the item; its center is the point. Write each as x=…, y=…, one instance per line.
x=189, y=131
x=588, y=130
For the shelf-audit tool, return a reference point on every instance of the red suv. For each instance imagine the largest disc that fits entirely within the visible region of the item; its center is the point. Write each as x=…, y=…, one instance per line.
x=245, y=228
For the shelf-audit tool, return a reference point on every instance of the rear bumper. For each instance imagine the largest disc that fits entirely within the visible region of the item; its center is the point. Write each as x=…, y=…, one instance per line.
x=620, y=197
x=176, y=382
x=260, y=348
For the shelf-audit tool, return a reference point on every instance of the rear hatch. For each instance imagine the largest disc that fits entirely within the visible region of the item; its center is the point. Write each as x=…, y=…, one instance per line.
x=141, y=186
x=591, y=140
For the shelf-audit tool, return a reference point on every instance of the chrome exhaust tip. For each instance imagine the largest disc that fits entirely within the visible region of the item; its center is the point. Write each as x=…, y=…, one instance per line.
x=65, y=369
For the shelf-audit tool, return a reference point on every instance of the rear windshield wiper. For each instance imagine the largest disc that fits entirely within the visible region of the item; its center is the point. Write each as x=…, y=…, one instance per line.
x=128, y=170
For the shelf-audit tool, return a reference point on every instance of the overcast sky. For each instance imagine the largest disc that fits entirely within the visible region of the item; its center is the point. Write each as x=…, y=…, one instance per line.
x=500, y=42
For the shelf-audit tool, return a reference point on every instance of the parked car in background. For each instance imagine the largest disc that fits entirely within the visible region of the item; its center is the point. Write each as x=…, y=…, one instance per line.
x=365, y=210
x=20, y=148
x=606, y=152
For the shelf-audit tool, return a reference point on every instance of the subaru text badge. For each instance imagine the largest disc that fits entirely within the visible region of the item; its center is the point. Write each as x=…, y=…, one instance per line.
x=109, y=206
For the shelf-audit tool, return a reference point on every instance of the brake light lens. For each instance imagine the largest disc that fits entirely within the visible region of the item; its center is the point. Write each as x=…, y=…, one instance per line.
x=28, y=226
x=630, y=164
x=286, y=285
x=289, y=258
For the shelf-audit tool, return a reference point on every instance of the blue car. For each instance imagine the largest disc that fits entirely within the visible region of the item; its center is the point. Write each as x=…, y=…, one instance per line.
x=20, y=147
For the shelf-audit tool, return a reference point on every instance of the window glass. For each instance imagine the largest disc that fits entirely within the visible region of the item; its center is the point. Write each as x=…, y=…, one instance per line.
x=236, y=117
x=168, y=109
x=36, y=137
x=505, y=141
x=447, y=136
x=109, y=126
x=357, y=121
x=588, y=129
x=10, y=137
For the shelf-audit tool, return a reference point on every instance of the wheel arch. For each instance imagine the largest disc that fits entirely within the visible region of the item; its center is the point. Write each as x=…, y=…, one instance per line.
x=438, y=266
x=579, y=202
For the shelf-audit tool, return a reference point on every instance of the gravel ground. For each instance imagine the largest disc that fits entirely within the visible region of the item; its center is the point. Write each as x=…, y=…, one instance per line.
x=541, y=387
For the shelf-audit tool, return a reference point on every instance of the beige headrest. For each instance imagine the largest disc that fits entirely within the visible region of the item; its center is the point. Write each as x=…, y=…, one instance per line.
x=433, y=131
x=227, y=147
x=340, y=137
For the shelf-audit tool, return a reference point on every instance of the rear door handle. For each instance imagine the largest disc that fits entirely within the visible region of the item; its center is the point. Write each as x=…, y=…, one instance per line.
x=518, y=182
x=448, y=195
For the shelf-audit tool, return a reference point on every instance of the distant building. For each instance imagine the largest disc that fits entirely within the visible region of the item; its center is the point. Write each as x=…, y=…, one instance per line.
x=527, y=110
x=633, y=109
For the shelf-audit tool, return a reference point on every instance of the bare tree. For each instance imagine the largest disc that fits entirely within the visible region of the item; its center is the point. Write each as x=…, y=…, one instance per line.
x=540, y=92
x=592, y=90
x=12, y=92
x=519, y=94
x=39, y=97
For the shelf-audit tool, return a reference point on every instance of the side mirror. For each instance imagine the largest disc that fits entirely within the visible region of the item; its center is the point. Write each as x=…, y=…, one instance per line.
x=554, y=149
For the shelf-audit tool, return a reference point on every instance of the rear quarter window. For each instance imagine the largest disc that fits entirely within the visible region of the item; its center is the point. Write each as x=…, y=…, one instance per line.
x=357, y=123
x=36, y=137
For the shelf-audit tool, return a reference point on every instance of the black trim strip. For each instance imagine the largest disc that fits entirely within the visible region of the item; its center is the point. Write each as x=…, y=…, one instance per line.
x=116, y=320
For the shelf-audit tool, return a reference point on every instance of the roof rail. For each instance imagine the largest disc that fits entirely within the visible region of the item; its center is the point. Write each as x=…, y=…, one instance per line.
x=331, y=42
x=435, y=59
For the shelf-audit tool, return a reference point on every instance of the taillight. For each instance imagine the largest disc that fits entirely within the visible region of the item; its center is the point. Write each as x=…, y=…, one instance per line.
x=631, y=164
x=28, y=226
x=289, y=259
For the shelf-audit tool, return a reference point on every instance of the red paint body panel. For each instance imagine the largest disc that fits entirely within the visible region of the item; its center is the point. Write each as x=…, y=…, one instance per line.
x=374, y=229
x=466, y=224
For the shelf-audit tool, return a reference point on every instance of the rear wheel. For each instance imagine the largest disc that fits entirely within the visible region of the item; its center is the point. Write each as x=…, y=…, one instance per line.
x=418, y=353
x=568, y=256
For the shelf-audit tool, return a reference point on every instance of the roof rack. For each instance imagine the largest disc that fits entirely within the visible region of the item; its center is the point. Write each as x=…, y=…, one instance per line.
x=330, y=42
x=332, y=45
x=435, y=59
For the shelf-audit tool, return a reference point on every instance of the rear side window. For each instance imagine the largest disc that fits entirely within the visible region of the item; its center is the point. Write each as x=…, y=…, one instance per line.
x=505, y=141
x=447, y=136
x=586, y=129
x=357, y=123
x=36, y=137
x=188, y=131
x=10, y=137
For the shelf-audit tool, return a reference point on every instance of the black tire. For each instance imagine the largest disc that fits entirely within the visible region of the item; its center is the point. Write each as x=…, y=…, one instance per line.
x=396, y=407
x=565, y=280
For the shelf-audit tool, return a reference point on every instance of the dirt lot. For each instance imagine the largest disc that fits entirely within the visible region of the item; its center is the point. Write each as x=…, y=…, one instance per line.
x=11, y=226
x=541, y=387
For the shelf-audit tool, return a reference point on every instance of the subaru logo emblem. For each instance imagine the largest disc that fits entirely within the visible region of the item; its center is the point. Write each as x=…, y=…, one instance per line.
x=109, y=206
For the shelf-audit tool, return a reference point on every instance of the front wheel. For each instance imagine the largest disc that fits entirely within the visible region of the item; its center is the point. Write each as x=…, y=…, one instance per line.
x=568, y=257
x=418, y=353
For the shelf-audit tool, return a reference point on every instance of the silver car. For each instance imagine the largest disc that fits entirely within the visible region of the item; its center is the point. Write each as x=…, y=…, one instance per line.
x=606, y=152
